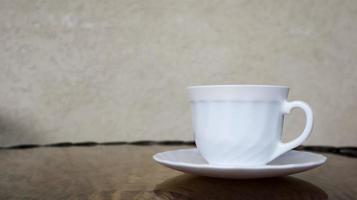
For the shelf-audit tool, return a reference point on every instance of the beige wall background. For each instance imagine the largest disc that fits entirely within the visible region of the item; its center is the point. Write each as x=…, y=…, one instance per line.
x=87, y=70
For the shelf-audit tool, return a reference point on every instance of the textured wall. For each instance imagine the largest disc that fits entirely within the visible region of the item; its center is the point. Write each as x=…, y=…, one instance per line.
x=79, y=70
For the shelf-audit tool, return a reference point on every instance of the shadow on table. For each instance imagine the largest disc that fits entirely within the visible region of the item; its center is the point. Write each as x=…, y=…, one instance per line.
x=195, y=187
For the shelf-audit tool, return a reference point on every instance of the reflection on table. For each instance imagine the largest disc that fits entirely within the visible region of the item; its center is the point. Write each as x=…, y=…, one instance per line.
x=195, y=187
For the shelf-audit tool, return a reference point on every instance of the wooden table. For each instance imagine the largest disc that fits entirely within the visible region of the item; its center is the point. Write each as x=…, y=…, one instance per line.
x=128, y=172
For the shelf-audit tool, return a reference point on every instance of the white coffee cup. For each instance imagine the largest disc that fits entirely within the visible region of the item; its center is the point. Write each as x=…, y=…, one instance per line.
x=242, y=124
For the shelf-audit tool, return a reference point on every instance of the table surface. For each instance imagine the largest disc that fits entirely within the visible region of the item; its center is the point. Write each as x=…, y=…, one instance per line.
x=128, y=172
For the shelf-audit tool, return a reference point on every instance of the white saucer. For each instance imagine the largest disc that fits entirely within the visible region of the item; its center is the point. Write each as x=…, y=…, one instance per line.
x=191, y=162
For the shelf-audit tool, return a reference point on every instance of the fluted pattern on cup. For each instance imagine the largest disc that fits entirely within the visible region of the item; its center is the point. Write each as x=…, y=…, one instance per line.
x=237, y=132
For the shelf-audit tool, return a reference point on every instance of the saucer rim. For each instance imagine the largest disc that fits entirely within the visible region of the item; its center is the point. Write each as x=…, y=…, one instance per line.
x=321, y=161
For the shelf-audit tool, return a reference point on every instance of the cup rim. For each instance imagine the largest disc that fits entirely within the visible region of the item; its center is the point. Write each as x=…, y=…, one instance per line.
x=238, y=86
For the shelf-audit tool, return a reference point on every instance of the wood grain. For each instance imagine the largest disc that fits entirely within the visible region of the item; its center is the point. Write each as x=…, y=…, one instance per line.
x=128, y=172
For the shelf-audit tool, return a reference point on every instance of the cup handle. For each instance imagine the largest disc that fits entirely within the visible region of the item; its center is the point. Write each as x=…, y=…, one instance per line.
x=287, y=107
